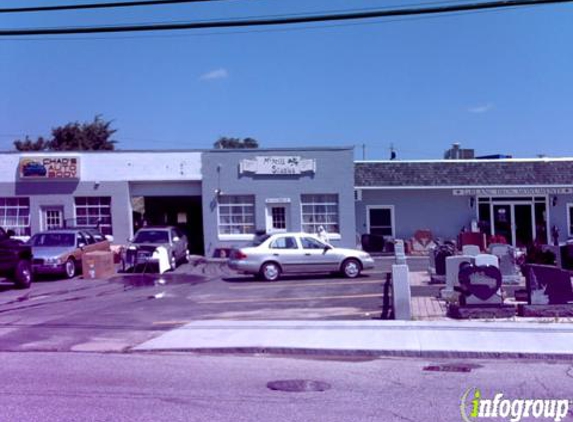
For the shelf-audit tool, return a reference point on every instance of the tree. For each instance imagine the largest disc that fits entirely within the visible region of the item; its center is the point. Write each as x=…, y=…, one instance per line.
x=89, y=136
x=235, y=143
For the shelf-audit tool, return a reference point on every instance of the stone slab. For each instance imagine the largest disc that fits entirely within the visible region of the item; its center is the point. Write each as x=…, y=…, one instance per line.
x=546, y=311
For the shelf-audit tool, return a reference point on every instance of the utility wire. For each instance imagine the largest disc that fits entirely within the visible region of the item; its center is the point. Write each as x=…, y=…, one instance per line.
x=96, y=5
x=280, y=21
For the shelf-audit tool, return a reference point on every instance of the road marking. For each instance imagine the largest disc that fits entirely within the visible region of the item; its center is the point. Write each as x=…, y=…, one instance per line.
x=324, y=283
x=288, y=299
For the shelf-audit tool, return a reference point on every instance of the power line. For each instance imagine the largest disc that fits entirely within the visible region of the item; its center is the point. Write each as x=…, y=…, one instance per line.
x=280, y=21
x=97, y=5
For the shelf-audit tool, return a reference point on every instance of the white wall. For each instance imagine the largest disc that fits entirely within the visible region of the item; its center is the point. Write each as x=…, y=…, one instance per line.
x=119, y=166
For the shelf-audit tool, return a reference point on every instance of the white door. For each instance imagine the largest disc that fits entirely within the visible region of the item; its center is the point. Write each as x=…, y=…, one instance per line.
x=52, y=218
x=277, y=218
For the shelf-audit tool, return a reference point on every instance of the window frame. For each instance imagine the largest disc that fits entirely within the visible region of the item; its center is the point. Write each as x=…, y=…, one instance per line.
x=331, y=235
x=102, y=227
x=236, y=236
x=382, y=207
x=20, y=230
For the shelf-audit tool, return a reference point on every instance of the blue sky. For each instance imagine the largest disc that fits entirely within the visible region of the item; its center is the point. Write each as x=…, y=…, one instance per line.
x=498, y=82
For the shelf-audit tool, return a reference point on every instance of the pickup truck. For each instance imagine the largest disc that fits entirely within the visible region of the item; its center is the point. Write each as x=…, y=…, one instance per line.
x=15, y=260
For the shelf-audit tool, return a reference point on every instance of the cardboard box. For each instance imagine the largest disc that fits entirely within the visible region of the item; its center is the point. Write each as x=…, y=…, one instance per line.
x=98, y=264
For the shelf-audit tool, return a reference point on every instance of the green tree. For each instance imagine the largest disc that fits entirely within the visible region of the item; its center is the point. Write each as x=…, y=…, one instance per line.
x=89, y=136
x=235, y=143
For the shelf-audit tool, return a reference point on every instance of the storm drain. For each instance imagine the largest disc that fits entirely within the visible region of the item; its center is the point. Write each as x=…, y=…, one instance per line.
x=298, y=386
x=453, y=367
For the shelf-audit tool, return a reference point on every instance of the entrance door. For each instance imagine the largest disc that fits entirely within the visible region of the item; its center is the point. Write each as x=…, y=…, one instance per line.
x=523, y=216
x=514, y=222
x=277, y=218
x=52, y=218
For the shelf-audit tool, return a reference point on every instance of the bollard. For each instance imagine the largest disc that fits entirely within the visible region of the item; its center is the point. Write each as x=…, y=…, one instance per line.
x=401, y=292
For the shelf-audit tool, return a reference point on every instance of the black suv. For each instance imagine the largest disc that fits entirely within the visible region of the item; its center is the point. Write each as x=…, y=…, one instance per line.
x=15, y=260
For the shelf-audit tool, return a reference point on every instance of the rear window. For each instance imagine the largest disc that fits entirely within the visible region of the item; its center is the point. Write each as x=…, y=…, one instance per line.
x=258, y=240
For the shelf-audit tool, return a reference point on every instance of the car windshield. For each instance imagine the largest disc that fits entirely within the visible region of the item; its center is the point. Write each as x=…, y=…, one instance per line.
x=151, y=236
x=53, y=239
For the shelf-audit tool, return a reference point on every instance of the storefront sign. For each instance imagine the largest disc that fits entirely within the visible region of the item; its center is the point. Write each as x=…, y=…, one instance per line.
x=277, y=201
x=511, y=191
x=277, y=165
x=52, y=168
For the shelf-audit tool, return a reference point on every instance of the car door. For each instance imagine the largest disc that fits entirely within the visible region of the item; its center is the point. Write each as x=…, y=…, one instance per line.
x=318, y=256
x=285, y=250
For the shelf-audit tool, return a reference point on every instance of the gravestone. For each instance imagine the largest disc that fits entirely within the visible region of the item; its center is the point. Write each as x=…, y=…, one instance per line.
x=399, y=252
x=401, y=293
x=471, y=250
x=487, y=259
x=480, y=293
x=549, y=292
x=441, y=253
x=452, y=272
x=507, y=262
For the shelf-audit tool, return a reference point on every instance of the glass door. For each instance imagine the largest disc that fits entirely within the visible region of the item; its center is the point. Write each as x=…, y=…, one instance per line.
x=503, y=222
x=523, y=217
x=52, y=218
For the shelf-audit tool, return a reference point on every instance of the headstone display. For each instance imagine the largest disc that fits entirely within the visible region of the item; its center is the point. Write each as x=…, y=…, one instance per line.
x=487, y=259
x=549, y=292
x=472, y=250
x=399, y=252
x=507, y=262
x=452, y=274
x=480, y=293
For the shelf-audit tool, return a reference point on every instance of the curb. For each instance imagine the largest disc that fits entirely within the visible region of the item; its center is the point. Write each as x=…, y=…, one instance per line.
x=435, y=354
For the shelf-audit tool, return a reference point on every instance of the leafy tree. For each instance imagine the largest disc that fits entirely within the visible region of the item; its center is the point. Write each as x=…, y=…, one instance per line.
x=235, y=143
x=89, y=136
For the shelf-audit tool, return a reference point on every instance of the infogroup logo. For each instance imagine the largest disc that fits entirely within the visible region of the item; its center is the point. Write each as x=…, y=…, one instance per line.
x=474, y=406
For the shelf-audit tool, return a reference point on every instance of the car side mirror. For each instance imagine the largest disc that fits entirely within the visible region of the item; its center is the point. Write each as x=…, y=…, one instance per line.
x=327, y=248
x=81, y=245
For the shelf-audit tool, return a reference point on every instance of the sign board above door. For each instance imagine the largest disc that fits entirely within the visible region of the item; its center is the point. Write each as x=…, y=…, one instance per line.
x=512, y=191
x=277, y=165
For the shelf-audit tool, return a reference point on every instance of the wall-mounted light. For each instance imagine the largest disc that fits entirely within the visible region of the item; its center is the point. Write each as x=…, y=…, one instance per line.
x=554, y=201
x=96, y=184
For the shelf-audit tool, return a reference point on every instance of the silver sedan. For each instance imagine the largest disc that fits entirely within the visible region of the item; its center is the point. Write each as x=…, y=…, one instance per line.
x=291, y=253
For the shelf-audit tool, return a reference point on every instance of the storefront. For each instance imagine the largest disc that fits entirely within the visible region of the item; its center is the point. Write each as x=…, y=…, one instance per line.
x=519, y=200
x=219, y=198
x=42, y=191
x=250, y=191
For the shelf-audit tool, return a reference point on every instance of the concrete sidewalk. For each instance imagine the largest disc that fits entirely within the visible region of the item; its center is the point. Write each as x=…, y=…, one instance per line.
x=397, y=338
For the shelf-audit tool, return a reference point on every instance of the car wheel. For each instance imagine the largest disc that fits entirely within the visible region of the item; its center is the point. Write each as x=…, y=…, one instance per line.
x=270, y=271
x=351, y=268
x=70, y=268
x=173, y=262
x=23, y=274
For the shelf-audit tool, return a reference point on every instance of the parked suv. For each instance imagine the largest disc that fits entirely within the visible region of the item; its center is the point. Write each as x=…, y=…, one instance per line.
x=147, y=239
x=15, y=260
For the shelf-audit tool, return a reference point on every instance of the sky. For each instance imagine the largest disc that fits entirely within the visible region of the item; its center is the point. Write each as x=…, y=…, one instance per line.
x=499, y=82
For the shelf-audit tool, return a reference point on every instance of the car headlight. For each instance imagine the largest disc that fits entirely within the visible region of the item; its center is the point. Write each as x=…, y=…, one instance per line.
x=54, y=261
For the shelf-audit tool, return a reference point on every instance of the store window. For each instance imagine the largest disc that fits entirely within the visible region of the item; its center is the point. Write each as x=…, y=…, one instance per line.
x=94, y=211
x=320, y=210
x=236, y=215
x=15, y=215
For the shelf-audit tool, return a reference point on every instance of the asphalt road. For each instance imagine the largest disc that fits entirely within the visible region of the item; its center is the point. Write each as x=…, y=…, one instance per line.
x=116, y=314
x=86, y=387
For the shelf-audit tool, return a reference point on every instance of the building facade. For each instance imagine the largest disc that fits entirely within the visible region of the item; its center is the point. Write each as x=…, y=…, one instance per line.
x=523, y=200
x=223, y=198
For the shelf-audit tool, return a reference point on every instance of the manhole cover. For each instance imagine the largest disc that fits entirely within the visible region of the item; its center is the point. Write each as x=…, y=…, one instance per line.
x=453, y=367
x=298, y=386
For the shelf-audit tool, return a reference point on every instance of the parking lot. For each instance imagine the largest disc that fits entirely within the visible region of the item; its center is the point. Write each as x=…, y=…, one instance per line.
x=126, y=309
